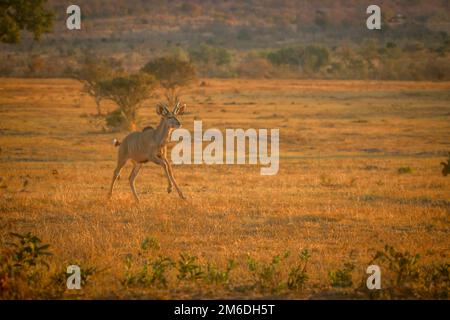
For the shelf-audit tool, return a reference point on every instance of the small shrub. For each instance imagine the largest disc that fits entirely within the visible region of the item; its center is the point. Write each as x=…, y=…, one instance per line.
x=152, y=273
x=267, y=274
x=188, y=268
x=342, y=278
x=403, y=277
x=86, y=272
x=297, y=275
x=216, y=276
x=403, y=170
x=22, y=266
x=402, y=264
x=401, y=274
x=150, y=243
x=436, y=281
x=158, y=272
x=326, y=181
x=115, y=120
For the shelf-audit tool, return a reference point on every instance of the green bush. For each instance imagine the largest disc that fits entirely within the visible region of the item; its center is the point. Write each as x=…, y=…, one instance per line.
x=267, y=275
x=292, y=56
x=403, y=170
x=188, y=268
x=342, y=278
x=115, y=120
x=152, y=272
x=23, y=264
x=403, y=277
x=298, y=276
x=216, y=276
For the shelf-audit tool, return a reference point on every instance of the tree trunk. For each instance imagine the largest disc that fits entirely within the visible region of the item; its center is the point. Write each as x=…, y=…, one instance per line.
x=97, y=103
x=130, y=118
x=132, y=126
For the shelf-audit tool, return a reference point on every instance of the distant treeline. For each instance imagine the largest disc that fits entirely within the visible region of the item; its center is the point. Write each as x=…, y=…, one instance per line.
x=249, y=38
x=371, y=59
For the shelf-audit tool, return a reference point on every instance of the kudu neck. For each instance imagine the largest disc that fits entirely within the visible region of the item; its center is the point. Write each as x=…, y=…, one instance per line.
x=163, y=131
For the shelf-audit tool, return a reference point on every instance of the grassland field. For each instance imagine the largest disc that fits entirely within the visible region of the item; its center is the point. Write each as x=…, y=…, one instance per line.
x=338, y=192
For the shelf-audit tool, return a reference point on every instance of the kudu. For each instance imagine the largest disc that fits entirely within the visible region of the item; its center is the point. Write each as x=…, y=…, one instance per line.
x=446, y=166
x=149, y=145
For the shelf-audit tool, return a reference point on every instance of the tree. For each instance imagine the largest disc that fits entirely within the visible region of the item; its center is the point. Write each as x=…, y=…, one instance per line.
x=92, y=71
x=291, y=56
x=172, y=73
x=311, y=58
x=210, y=59
x=128, y=92
x=315, y=57
x=18, y=15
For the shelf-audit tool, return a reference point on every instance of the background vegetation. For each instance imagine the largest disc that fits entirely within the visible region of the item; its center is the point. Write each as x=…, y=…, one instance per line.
x=255, y=39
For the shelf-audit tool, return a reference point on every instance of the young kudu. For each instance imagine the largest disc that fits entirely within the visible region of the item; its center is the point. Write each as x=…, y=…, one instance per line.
x=149, y=145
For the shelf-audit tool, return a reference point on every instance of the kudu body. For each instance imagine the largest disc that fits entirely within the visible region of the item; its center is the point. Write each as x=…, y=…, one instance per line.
x=149, y=145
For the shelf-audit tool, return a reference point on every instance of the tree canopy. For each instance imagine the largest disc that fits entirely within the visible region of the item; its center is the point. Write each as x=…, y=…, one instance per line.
x=172, y=73
x=92, y=71
x=18, y=15
x=128, y=92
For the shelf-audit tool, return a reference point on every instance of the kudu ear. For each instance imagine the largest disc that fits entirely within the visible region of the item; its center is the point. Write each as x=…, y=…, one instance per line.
x=161, y=109
x=179, y=109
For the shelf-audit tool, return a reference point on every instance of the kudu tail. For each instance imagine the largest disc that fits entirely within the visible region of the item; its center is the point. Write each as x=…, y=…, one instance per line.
x=116, y=143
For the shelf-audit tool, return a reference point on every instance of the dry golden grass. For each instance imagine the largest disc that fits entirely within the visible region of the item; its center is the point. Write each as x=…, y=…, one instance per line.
x=338, y=191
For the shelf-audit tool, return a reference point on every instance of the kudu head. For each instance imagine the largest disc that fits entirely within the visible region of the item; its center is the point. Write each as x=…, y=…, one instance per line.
x=170, y=117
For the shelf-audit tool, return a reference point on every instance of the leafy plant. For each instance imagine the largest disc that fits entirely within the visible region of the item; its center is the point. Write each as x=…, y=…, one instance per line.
x=153, y=272
x=29, y=250
x=267, y=274
x=150, y=242
x=402, y=264
x=115, y=120
x=22, y=264
x=188, y=269
x=16, y=16
x=159, y=266
x=401, y=274
x=436, y=281
x=403, y=170
x=297, y=275
x=326, y=180
x=342, y=278
x=60, y=279
x=216, y=276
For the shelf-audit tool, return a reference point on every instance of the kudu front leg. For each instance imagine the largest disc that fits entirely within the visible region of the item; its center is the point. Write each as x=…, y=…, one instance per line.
x=170, y=185
x=164, y=163
x=169, y=180
x=170, y=173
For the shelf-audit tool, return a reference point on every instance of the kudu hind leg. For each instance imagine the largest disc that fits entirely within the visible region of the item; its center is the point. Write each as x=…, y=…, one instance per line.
x=133, y=176
x=116, y=175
